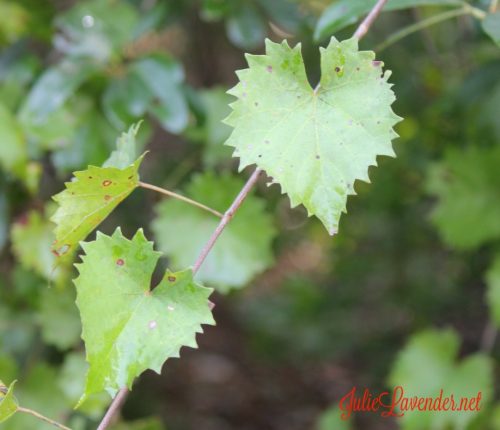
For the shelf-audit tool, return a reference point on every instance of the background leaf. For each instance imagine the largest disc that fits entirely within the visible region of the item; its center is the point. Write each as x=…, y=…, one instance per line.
x=243, y=251
x=491, y=26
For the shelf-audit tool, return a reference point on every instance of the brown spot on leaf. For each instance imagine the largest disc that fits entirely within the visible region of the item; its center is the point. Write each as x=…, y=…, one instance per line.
x=120, y=262
x=269, y=69
x=107, y=197
x=171, y=278
x=106, y=183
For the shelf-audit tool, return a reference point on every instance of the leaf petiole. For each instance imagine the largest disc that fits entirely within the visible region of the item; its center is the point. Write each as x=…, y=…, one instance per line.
x=180, y=197
x=41, y=417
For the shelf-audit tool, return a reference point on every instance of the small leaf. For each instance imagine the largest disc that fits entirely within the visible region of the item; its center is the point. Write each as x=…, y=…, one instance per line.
x=314, y=143
x=491, y=26
x=88, y=200
x=466, y=184
x=126, y=152
x=127, y=327
x=8, y=403
x=493, y=292
x=345, y=12
x=244, y=249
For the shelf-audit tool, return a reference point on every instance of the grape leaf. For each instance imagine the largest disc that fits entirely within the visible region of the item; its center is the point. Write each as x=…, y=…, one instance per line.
x=240, y=253
x=128, y=328
x=126, y=151
x=428, y=364
x=493, y=292
x=466, y=184
x=8, y=403
x=314, y=143
x=89, y=199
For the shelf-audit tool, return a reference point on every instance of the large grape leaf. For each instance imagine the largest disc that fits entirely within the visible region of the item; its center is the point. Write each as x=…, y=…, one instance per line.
x=428, y=364
x=466, y=183
x=314, y=143
x=127, y=327
x=240, y=253
x=87, y=200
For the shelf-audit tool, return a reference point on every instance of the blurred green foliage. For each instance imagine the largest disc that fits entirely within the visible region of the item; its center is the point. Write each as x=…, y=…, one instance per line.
x=403, y=293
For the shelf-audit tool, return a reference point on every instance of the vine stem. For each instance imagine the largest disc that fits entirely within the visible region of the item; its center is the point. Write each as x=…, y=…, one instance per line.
x=434, y=19
x=42, y=418
x=229, y=214
x=179, y=197
x=115, y=406
x=370, y=18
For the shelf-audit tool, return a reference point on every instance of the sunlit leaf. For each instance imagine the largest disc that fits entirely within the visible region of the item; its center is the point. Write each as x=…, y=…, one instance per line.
x=87, y=200
x=127, y=327
x=314, y=143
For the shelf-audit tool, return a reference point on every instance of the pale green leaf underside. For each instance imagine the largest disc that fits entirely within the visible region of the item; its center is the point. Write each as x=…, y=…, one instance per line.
x=127, y=328
x=244, y=249
x=88, y=200
x=8, y=403
x=314, y=143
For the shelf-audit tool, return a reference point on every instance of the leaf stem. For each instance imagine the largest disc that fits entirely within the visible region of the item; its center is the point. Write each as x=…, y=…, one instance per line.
x=435, y=19
x=370, y=18
x=180, y=197
x=228, y=215
x=115, y=406
x=41, y=417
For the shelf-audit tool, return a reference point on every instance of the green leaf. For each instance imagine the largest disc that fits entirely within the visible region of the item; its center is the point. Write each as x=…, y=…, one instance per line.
x=493, y=292
x=244, y=249
x=491, y=26
x=331, y=419
x=32, y=237
x=87, y=200
x=427, y=364
x=52, y=89
x=466, y=184
x=345, y=12
x=59, y=319
x=314, y=143
x=126, y=151
x=245, y=27
x=216, y=107
x=127, y=327
x=98, y=29
x=164, y=77
x=13, y=156
x=8, y=403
